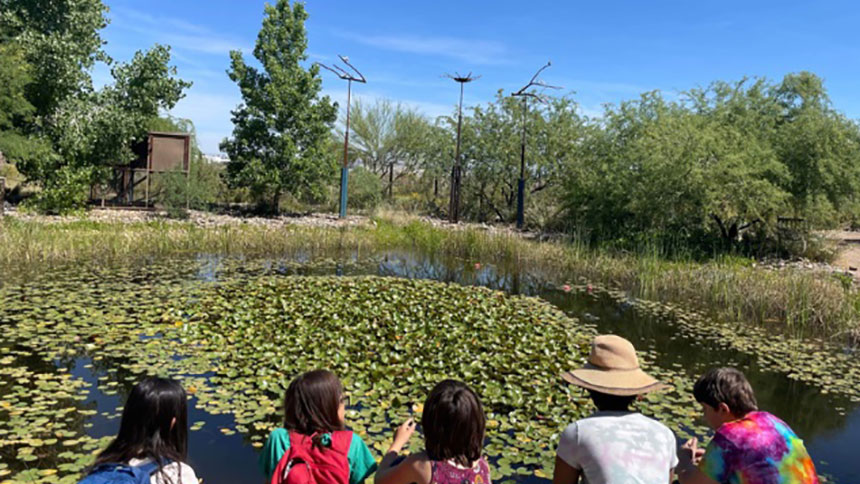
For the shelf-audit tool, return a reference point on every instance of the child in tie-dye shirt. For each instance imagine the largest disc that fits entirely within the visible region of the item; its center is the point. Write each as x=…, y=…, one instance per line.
x=749, y=446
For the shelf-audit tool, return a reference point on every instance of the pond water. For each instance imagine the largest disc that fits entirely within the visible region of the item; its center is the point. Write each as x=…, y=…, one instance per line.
x=829, y=423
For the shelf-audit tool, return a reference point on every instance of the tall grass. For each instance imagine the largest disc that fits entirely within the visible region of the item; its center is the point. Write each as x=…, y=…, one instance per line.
x=798, y=302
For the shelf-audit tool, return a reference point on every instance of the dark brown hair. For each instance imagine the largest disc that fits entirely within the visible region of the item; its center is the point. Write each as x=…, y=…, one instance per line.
x=729, y=386
x=146, y=430
x=311, y=403
x=453, y=423
x=610, y=403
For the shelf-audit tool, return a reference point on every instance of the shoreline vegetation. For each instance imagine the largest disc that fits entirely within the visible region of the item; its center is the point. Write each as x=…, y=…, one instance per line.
x=799, y=303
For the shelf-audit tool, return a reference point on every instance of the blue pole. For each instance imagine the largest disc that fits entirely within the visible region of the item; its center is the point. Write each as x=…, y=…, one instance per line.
x=521, y=190
x=344, y=175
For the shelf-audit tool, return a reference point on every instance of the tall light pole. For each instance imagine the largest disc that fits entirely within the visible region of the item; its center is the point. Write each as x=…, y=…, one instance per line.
x=343, y=74
x=456, y=171
x=526, y=94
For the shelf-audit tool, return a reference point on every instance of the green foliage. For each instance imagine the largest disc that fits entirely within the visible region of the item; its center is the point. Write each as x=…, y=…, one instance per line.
x=62, y=131
x=16, y=112
x=174, y=194
x=364, y=190
x=492, y=148
x=66, y=191
x=203, y=185
x=703, y=170
x=281, y=130
x=388, y=139
x=61, y=41
x=97, y=130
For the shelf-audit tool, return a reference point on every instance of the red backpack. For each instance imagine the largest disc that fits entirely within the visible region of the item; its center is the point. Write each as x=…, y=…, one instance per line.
x=304, y=463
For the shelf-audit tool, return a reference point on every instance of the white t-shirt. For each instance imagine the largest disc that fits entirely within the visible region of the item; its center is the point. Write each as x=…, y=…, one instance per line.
x=619, y=448
x=173, y=472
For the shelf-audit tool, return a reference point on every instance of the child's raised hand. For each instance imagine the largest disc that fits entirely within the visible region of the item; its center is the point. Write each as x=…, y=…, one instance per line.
x=689, y=453
x=402, y=434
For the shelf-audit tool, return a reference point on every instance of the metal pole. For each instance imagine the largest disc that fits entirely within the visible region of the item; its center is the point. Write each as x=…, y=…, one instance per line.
x=521, y=184
x=454, y=205
x=343, y=74
x=344, y=171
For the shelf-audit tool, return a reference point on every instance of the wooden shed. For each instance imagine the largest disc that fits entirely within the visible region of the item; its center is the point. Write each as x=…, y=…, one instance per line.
x=158, y=153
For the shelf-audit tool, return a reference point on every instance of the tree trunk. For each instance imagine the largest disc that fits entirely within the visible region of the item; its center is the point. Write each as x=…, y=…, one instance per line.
x=390, y=181
x=276, y=203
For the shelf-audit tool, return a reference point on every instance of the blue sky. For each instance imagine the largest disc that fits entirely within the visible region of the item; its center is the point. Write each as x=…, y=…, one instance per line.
x=604, y=52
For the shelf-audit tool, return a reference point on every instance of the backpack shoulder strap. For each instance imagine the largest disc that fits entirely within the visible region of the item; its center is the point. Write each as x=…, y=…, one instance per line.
x=341, y=440
x=150, y=467
x=145, y=471
x=299, y=442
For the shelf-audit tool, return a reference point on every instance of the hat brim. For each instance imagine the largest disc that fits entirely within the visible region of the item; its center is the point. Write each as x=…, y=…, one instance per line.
x=623, y=383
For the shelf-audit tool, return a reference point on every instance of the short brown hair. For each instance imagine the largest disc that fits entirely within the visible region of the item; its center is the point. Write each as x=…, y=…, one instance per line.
x=729, y=386
x=453, y=423
x=311, y=403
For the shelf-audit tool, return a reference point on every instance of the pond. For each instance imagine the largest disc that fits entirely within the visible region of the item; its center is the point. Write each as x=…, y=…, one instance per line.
x=75, y=340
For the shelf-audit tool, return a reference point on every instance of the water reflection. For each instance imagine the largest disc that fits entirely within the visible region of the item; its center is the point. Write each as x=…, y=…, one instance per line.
x=219, y=458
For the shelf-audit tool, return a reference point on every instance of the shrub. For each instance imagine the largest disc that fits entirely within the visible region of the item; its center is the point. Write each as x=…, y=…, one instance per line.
x=365, y=189
x=66, y=192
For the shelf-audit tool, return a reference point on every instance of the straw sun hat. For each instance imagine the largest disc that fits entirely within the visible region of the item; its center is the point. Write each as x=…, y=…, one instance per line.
x=613, y=368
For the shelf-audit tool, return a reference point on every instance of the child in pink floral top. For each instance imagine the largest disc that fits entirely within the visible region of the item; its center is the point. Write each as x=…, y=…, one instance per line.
x=453, y=424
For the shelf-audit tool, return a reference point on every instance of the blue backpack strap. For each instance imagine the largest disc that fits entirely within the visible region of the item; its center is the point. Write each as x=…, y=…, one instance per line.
x=145, y=471
x=111, y=472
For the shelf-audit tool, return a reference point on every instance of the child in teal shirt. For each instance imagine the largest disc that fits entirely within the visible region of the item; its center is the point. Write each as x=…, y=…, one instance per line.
x=315, y=406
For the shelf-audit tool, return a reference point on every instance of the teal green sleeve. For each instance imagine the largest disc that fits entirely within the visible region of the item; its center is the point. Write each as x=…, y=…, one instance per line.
x=275, y=448
x=713, y=463
x=361, y=462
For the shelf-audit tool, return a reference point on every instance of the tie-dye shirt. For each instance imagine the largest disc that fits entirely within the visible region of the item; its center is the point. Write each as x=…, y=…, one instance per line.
x=758, y=449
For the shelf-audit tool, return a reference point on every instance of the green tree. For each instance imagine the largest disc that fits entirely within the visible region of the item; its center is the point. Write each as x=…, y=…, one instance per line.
x=61, y=40
x=282, y=128
x=387, y=139
x=688, y=172
x=73, y=132
x=16, y=112
x=93, y=131
x=821, y=150
x=492, y=144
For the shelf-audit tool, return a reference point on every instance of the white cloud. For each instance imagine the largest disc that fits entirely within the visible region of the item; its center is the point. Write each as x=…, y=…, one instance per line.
x=430, y=109
x=131, y=14
x=208, y=141
x=210, y=114
x=472, y=51
x=206, y=43
x=176, y=32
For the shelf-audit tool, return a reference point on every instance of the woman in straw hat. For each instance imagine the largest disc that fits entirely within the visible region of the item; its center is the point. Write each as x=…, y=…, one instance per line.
x=615, y=444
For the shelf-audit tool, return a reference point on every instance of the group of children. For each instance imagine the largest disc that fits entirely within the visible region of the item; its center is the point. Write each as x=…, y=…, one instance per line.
x=613, y=445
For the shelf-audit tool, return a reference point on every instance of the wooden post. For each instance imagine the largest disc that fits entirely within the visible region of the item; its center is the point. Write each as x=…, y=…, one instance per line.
x=148, y=168
x=2, y=195
x=186, y=162
x=146, y=201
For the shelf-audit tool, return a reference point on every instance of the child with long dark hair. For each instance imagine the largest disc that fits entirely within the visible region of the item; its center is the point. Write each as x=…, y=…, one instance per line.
x=152, y=439
x=453, y=424
x=314, y=445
